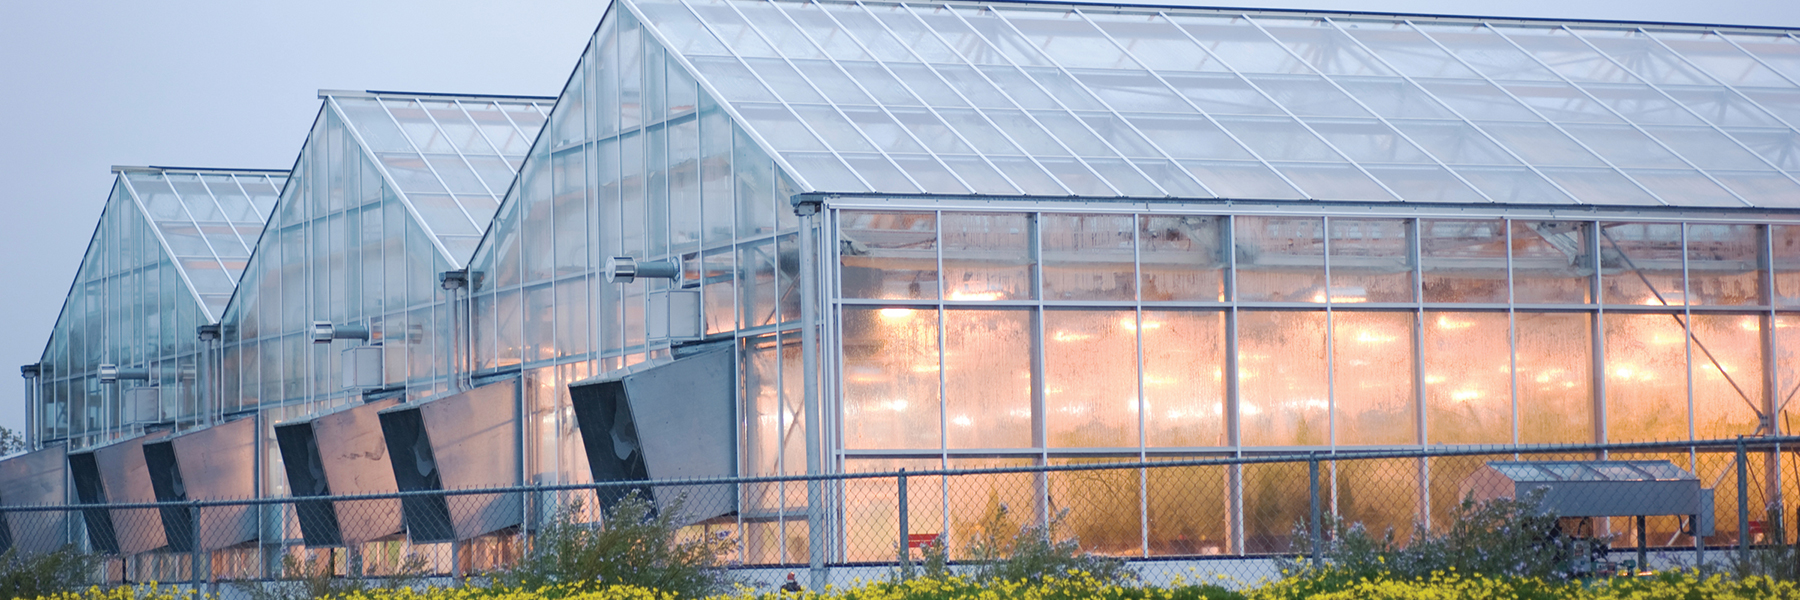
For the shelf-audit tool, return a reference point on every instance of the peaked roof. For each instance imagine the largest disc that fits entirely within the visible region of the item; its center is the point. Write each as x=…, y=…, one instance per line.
x=451, y=156
x=1045, y=99
x=205, y=220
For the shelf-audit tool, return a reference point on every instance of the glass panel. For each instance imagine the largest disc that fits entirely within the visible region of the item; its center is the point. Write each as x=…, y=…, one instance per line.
x=787, y=83
x=973, y=87
x=1239, y=43
x=1779, y=147
x=1555, y=378
x=1516, y=185
x=1784, y=103
x=733, y=80
x=731, y=28
x=768, y=20
x=779, y=127
x=1280, y=259
x=1323, y=46
x=1463, y=261
x=1643, y=56
x=1278, y=138
x=880, y=84
x=1017, y=86
x=1030, y=178
x=1642, y=104
x=891, y=378
x=1395, y=98
x=1184, y=383
x=987, y=378
x=1706, y=147
x=1068, y=40
x=929, y=173
x=1181, y=258
x=881, y=128
x=1552, y=262
x=1371, y=260
x=930, y=131
x=1483, y=49
x=912, y=34
x=1685, y=187
x=838, y=133
x=1721, y=59
x=1624, y=146
x=987, y=256
x=824, y=172
x=831, y=81
x=1407, y=50
x=888, y=255
x=1282, y=393
x=1722, y=106
x=1333, y=181
x=1222, y=93
x=1567, y=55
x=1308, y=96
x=1761, y=188
x=1372, y=364
x=1129, y=91
x=1088, y=257
x=1241, y=179
x=1173, y=179
x=975, y=128
x=985, y=179
x=926, y=84
x=1090, y=378
x=1646, y=378
x=1066, y=90
x=975, y=40
x=1468, y=378
x=1076, y=177
x=1722, y=264
x=1600, y=186
x=1184, y=136
x=881, y=174
x=684, y=32
x=1561, y=103
x=1424, y=183
x=1642, y=263
x=1367, y=141
x=1155, y=43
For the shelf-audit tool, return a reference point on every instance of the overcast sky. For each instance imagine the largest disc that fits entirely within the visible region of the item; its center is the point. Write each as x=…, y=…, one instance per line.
x=88, y=85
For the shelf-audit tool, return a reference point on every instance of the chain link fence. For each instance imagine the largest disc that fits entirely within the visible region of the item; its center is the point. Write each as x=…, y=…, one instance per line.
x=1194, y=518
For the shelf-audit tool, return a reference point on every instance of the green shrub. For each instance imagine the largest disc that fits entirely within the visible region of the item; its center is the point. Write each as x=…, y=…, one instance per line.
x=32, y=575
x=1003, y=550
x=1493, y=538
x=635, y=544
x=301, y=581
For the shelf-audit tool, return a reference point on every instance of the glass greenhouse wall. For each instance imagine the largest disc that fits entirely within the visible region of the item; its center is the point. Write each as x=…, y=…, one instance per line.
x=169, y=249
x=1035, y=234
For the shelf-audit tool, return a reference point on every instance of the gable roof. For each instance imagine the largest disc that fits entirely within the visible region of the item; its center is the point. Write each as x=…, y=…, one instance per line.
x=1044, y=99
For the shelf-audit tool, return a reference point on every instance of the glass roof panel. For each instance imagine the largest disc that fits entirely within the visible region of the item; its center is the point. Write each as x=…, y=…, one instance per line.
x=1488, y=52
x=1198, y=102
x=1720, y=58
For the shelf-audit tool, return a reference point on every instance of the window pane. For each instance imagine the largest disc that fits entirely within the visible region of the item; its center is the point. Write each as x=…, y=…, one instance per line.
x=889, y=255
x=1367, y=141
x=1184, y=378
x=987, y=256
x=1088, y=257
x=1786, y=241
x=1552, y=262
x=1280, y=259
x=1241, y=179
x=1308, y=96
x=1424, y=183
x=1334, y=181
x=1181, y=258
x=1646, y=378
x=1642, y=263
x=1555, y=382
x=1468, y=378
x=1090, y=378
x=890, y=378
x=1372, y=363
x=1463, y=261
x=1722, y=264
x=1281, y=373
x=1279, y=139
x=1395, y=98
x=1600, y=186
x=1155, y=42
x=1370, y=260
x=1723, y=398
x=987, y=374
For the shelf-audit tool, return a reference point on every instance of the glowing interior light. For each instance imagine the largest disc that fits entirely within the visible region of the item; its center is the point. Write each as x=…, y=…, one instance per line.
x=1750, y=324
x=1434, y=379
x=975, y=296
x=1624, y=372
x=1131, y=324
x=1465, y=395
x=1370, y=337
x=1445, y=322
x=963, y=421
x=931, y=368
x=896, y=313
x=1065, y=336
x=897, y=405
x=1249, y=409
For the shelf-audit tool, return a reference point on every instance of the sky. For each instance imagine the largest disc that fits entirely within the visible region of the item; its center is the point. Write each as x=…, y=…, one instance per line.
x=228, y=83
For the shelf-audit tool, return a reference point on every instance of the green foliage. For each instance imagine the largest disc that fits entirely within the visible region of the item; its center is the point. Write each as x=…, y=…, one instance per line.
x=32, y=575
x=301, y=580
x=11, y=442
x=1777, y=559
x=1004, y=550
x=635, y=544
x=1493, y=538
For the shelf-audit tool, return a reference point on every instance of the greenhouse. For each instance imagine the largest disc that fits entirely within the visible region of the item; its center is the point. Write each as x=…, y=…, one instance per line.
x=962, y=235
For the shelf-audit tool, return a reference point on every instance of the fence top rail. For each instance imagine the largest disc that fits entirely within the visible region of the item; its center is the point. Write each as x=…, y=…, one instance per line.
x=1758, y=444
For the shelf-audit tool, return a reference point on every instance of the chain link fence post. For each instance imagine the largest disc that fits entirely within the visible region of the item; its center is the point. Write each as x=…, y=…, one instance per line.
x=905, y=527
x=1312, y=475
x=194, y=544
x=1743, y=502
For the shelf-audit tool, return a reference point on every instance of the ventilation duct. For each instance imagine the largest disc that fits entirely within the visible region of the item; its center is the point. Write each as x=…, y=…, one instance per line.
x=667, y=418
x=117, y=474
x=467, y=440
x=215, y=463
x=33, y=479
x=342, y=453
